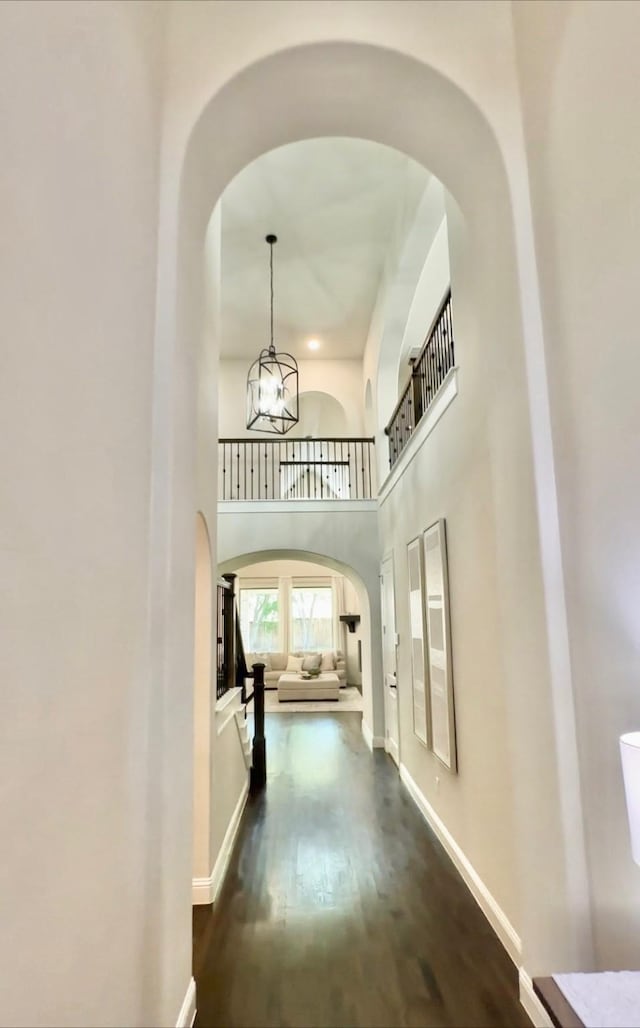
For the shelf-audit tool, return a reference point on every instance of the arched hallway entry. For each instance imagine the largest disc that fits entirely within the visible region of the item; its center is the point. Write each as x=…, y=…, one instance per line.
x=369, y=600
x=357, y=89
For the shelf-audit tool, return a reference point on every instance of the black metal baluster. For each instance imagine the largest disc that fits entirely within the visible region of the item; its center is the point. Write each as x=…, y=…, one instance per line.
x=451, y=340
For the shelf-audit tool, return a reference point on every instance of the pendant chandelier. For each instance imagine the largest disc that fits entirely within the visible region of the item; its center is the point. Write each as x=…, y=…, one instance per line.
x=272, y=382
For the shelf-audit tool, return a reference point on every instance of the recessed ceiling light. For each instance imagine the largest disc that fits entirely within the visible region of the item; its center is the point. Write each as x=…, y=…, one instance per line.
x=313, y=344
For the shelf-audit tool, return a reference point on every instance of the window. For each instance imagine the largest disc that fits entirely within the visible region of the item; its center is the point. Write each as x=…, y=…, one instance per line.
x=311, y=618
x=260, y=620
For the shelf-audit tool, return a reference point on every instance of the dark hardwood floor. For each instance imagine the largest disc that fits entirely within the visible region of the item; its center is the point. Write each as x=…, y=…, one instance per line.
x=340, y=908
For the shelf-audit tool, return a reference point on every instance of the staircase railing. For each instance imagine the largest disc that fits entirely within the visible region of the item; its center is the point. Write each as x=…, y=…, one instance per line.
x=232, y=671
x=296, y=469
x=429, y=371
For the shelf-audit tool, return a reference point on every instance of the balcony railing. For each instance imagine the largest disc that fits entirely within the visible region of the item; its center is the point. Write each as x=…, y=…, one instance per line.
x=296, y=469
x=430, y=369
x=232, y=671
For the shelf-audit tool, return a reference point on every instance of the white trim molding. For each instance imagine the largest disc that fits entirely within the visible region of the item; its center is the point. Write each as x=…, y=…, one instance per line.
x=491, y=909
x=446, y=394
x=205, y=890
x=391, y=747
x=531, y=1003
x=374, y=742
x=295, y=506
x=226, y=709
x=187, y=1014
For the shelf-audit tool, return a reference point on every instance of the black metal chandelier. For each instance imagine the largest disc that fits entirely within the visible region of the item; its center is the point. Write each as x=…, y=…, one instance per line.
x=272, y=382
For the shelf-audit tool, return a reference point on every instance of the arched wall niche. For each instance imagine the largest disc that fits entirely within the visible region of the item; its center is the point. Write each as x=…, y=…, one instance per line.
x=390, y=97
x=321, y=415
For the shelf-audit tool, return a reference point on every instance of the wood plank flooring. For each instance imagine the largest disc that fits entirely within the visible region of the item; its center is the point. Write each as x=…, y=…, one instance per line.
x=340, y=907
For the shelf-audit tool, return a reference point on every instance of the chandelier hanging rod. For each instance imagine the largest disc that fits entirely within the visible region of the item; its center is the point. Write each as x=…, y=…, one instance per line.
x=271, y=239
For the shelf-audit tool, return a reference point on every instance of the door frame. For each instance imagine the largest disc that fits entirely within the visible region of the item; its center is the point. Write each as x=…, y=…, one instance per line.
x=391, y=747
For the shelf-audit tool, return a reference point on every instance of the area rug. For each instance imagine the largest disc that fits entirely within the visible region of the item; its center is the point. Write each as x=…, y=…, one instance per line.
x=350, y=699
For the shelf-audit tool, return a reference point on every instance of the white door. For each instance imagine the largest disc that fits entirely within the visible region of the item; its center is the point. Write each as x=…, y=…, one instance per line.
x=389, y=644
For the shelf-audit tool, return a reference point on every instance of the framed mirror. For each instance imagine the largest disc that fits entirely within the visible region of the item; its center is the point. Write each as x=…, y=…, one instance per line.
x=417, y=634
x=438, y=639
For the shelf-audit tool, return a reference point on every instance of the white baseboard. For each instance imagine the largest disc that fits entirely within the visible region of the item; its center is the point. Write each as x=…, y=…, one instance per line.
x=374, y=742
x=391, y=747
x=187, y=1014
x=491, y=909
x=205, y=890
x=531, y=1003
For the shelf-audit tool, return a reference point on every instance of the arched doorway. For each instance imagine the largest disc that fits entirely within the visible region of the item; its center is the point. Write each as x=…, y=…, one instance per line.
x=388, y=96
x=368, y=603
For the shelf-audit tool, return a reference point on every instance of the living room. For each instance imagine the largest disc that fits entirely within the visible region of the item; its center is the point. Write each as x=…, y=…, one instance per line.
x=302, y=620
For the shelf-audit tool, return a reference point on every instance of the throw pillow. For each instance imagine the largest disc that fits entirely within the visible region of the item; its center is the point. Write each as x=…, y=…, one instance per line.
x=311, y=662
x=294, y=664
x=328, y=662
x=258, y=658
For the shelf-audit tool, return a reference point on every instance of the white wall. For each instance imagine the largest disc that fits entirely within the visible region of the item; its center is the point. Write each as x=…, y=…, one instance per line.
x=431, y=290
x=95, y=909
x=393, y=330
x=283, y=569
x=203, y=700
x=221, y=775
x=322, y=416
x=341, y=380
x=352, y=640
x=106, y=406
x=580, y=92
x=453, y=475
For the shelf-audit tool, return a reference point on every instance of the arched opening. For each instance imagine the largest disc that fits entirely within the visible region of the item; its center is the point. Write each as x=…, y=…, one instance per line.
x=358, y=90
x=356, y=646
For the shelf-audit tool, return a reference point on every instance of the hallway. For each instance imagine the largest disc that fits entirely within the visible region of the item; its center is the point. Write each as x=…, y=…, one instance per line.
x=339, y=907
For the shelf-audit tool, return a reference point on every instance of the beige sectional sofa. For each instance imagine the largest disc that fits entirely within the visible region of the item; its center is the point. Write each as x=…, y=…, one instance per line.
x=276, y=664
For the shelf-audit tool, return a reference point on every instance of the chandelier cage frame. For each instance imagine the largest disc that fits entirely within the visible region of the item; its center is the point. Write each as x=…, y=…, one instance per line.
x=272, y=381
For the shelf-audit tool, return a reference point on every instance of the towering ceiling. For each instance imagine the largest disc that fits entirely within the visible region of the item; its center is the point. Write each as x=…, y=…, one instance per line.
x=339, y=207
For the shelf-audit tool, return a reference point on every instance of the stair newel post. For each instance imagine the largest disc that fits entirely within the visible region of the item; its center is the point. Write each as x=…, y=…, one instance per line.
x=229, y=611
x=259, y=768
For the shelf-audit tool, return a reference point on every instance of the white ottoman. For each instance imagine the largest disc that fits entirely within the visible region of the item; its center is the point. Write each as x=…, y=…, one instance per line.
x=326, y=686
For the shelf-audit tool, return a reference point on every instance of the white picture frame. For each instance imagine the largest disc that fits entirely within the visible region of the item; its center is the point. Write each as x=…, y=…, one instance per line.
x=419, y=688
x=438, y=638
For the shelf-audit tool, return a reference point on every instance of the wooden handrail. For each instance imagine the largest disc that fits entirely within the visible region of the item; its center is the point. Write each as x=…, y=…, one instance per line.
x=298, y=439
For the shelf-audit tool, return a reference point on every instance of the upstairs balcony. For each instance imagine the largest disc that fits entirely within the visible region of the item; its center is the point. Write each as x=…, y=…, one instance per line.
x=429, y=372
x=296, y=469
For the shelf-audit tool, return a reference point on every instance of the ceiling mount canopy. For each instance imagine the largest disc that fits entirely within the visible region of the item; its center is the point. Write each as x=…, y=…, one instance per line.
x=272, y=382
